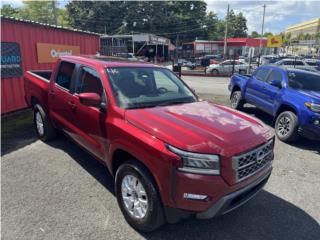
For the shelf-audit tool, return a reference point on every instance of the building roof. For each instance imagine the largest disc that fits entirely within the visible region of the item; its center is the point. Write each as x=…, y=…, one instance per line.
x=310, y=23
x=46, y=25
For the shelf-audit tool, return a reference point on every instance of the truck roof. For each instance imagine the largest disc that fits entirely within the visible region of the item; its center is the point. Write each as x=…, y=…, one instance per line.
x=108, y=61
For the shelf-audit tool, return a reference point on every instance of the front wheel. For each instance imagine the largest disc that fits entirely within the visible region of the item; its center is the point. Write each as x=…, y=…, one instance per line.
x=138, y=197
x=236, y=100
x=286, y=126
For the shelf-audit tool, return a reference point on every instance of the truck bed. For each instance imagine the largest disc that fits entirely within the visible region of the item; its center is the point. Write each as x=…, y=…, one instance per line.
x=43, y=74
x=36, y=84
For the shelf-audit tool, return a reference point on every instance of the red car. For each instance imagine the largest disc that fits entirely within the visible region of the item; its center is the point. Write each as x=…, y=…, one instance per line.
x=172, y=155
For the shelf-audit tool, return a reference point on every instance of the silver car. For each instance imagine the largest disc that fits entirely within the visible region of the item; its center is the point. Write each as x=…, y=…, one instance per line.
x=226, y=67
x=295, y=63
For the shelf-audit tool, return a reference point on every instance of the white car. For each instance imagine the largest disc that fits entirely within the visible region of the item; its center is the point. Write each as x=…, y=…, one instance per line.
x=226, y=67
x=295, y=63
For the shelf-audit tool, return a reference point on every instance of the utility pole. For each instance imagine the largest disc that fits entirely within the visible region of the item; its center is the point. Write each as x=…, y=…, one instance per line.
x=260, y=48
x=226, y=35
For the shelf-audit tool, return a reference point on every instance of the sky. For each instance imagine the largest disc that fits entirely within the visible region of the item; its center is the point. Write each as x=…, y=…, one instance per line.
x=279, y=14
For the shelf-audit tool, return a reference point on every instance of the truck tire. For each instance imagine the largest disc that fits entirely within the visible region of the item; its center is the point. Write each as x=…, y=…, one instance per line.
x=286, y=127
x=44, y=129
x=138, y=197
x=236, y=100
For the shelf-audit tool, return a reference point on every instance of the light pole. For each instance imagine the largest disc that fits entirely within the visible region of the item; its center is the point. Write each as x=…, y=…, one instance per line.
x=226, y=35
x=260, y=47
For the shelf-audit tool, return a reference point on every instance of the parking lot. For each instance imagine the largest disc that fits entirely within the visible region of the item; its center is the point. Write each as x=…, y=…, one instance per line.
x=56, y=190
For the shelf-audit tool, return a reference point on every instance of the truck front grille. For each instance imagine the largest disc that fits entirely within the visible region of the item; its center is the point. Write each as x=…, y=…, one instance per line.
x=247, y=164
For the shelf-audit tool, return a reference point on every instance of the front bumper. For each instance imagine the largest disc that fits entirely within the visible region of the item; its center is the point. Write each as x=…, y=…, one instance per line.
x=308, y=128
x=235, y=199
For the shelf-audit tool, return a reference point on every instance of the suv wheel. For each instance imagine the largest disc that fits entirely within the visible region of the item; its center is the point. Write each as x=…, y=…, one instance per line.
x=138, y=197
x=43, y=126
x=236, y=100
x=286, y=126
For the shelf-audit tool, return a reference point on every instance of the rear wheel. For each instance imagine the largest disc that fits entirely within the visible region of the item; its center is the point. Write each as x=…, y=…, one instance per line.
x=43, y=126
x=236, y=100
x=138, y=197
x=286, y=126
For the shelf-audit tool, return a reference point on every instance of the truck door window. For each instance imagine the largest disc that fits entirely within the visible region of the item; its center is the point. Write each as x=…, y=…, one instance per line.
x=274, y=75
x=89, y=81
x=64, y=75
x=261, y=74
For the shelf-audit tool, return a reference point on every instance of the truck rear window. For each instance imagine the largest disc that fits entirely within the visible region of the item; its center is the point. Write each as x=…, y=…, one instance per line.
x=64, y=74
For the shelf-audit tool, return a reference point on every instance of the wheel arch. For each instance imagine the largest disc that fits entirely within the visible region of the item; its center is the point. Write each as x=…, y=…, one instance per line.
x=120, y=156
x=282, y=108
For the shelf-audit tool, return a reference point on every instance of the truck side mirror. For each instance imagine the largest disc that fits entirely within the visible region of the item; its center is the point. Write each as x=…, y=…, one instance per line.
x=276, y=83
x=90, y=99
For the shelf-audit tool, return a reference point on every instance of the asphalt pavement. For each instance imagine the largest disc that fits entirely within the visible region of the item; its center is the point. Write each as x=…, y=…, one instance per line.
x=56, y=190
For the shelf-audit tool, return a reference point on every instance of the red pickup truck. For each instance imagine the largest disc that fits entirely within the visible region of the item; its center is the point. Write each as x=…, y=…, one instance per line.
x=172, y=155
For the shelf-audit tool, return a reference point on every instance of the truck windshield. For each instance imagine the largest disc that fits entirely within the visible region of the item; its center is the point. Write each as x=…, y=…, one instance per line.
x=141, y=87
x=304, y=81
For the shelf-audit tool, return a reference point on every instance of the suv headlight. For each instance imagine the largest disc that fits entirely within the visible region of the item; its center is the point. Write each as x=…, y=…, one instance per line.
x=197, y=162
x=313, y=106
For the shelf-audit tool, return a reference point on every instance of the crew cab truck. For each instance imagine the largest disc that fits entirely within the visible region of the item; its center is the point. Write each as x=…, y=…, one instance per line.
x=291, y=96
x=172, y=156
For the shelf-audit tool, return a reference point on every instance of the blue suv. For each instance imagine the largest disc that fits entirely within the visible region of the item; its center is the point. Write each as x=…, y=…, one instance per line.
x=291, y=96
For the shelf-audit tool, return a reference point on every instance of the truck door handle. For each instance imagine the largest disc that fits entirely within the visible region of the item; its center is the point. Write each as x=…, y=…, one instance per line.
x=72, y=105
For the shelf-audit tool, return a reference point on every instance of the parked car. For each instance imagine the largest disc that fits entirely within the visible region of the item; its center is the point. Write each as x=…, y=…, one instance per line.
x=226, y=67
x=187, y=63
x=266, y=59
x=313, y=62
x=291, y=96
x=295, y=63
x=172, y=155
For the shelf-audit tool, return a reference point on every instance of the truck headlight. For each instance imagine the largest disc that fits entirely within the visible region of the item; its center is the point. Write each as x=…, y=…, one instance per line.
x=197, y=162
x=313, y=106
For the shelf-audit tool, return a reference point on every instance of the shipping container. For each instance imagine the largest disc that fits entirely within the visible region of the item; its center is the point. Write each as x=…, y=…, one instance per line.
x=28, y=45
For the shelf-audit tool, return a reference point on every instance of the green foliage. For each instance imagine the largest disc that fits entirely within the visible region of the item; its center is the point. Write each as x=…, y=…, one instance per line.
x=254, y=34
x=8, y=10
x=40, y=11
x=186, y=20
x=183, y=20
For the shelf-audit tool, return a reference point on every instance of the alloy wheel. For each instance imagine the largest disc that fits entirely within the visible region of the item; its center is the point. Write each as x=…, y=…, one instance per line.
x=134, y=196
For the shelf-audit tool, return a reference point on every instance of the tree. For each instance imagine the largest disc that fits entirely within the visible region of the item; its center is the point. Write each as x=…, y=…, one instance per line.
x=8, y=10
x=237, y=25
x=40, y=11
x=186, y=20
x=266, y=34
x=254, y=34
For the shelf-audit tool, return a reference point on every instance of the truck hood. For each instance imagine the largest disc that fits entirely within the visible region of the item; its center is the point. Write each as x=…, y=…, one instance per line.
x=310, y=93
x=201, y=127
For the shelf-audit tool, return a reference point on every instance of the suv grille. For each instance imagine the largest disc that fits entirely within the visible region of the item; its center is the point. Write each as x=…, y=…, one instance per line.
x=249, y=163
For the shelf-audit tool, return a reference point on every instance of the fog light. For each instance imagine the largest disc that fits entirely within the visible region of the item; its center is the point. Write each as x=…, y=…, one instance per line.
x=316, y=122
x=194, y=196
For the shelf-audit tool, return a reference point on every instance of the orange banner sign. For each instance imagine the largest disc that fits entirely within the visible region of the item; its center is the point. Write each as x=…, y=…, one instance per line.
x=49, y=53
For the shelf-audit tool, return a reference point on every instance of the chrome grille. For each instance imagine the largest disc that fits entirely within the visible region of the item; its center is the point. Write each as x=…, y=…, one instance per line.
x=249, y=163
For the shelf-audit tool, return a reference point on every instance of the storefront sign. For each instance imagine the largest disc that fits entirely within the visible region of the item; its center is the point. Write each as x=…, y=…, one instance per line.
x=10, y=60
x=274, y=41
x=154, y=40
x=49, y=53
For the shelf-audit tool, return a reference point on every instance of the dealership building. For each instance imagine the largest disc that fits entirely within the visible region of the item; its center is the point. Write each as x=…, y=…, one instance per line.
x=309, y=27
x=239, y=46
x=28, y=45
